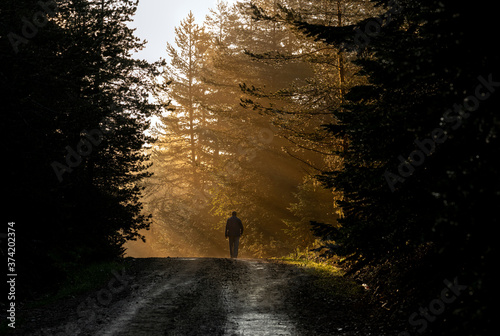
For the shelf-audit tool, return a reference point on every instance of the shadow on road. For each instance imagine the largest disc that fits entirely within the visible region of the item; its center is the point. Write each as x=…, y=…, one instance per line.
x=204, y=296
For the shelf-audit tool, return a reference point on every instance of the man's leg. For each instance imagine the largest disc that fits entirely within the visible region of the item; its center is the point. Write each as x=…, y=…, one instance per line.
x=236, y=244
x=231, y=245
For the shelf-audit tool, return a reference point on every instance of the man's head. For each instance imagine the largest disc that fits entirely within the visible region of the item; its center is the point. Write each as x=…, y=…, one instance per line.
x=234, y=213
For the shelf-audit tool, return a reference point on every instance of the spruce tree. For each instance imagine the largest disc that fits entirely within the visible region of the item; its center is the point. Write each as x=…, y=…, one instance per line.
x=420, y=152
x=77, y=108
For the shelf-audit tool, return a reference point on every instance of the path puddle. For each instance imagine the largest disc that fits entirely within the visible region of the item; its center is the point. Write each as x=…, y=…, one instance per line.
x=254, y=308
x=259, y=324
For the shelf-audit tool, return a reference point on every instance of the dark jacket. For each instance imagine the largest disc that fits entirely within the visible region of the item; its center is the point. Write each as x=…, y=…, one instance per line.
x=234, y=227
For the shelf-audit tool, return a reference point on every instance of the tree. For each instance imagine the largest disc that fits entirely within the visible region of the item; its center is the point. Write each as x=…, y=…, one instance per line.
x=321, y=73
x=180, y=187
x=413, y=206
x=313, y=202
x=234, y=146
x=76, y=105
x=250, y=156
x=183, y=74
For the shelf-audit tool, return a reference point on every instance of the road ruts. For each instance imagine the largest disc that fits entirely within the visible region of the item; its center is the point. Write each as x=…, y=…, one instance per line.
x=208, y=296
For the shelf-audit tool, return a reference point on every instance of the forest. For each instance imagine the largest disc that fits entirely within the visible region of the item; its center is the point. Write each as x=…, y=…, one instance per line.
x=359, y=132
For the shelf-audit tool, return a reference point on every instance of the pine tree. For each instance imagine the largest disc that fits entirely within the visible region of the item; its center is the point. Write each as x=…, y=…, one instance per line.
x=184, y=75
x=319, y=75
x=78, y=103
x=181, y=153
x=250, y=156
x=413, y=201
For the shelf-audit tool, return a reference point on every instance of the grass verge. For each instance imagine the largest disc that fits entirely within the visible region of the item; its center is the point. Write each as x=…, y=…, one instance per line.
x=82, y=280
x=78, y=282
x=329, y=278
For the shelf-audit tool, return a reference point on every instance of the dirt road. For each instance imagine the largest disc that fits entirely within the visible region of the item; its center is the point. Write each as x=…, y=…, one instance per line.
x=198, y=296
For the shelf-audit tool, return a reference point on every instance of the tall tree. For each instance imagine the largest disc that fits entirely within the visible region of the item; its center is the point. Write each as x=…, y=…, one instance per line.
x=250, y=156
x=184, y=74
x=421, y=152
x=320, y=75
x=76, y=101
x=235, y=146
x=182, y=150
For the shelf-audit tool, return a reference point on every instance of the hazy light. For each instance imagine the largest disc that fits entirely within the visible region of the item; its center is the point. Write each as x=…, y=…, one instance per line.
x=155, y=21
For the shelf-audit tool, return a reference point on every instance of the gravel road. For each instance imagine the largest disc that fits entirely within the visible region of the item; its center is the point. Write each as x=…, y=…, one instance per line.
x=204, y=296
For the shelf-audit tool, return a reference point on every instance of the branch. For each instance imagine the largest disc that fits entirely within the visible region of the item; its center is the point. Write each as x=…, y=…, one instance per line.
x=303, y=161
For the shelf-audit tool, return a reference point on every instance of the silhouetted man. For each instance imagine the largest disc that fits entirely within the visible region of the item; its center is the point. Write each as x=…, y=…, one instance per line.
x=234, y=229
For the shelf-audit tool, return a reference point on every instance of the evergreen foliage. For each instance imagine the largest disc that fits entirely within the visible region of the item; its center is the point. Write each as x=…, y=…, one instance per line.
x=418, y=211
x=76, y=109
x=239, y=164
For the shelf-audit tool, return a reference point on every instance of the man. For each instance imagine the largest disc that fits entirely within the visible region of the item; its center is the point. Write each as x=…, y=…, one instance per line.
x=234, y=229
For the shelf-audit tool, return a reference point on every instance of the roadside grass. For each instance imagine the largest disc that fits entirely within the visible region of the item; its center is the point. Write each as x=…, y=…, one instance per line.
x=80, y=281
x=330, y=279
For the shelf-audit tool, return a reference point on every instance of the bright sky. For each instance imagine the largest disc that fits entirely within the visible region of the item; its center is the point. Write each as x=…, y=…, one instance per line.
x=155, y=21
